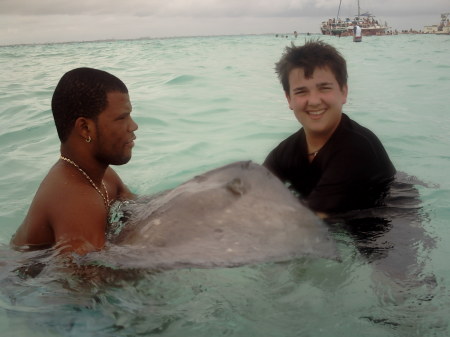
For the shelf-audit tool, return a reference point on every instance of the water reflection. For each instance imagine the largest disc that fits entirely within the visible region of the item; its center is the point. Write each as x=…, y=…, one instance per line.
x=392, y=237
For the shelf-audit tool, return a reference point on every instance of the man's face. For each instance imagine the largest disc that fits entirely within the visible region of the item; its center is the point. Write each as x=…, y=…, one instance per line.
x=317, y=101
x=115, y=130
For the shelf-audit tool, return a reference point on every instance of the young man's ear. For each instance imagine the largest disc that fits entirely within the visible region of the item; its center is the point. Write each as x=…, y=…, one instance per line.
x=288, y=97
x=345, y=93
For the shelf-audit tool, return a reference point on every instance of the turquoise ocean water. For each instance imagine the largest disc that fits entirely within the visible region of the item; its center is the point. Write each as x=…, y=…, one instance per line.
x=200, y=103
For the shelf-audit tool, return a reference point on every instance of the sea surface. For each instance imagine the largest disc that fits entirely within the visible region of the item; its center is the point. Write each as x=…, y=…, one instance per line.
x=203, y=102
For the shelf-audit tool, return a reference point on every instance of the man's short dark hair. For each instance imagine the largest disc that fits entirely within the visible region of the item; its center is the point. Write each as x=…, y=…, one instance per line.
x=313, y=54
x=82, y=92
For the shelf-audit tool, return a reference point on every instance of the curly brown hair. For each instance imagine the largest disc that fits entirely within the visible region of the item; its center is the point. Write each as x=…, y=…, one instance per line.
x=313, y=54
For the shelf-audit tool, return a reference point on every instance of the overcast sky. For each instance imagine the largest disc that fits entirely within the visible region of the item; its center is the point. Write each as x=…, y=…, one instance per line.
x=40, y=21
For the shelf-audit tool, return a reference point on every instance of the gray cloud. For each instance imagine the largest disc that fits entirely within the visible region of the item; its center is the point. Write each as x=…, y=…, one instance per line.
x=218, y=8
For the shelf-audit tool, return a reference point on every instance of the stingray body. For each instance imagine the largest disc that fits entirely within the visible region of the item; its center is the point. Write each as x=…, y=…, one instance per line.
x=233, y=215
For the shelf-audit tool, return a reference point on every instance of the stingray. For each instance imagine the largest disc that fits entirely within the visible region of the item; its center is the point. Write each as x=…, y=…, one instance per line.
x=230, y=216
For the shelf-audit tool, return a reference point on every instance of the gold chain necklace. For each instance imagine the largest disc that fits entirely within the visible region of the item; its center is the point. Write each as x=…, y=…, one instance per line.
x=105, y=199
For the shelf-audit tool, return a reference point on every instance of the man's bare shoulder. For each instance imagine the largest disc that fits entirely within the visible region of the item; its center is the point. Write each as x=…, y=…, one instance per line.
x=36, y=229
x=65, y=209
x=63, y=187
x=77, y=211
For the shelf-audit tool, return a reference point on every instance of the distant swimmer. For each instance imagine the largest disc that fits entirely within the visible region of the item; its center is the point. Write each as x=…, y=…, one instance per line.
x=92, y=113
x=357, y=33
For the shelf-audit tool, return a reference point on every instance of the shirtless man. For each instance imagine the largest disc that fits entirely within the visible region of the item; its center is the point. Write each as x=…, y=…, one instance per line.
x=335, y=164
x=92, y=113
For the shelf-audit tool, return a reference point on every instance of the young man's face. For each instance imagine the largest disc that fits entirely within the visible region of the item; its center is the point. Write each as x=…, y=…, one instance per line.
x=317, y=101
x=115, y=130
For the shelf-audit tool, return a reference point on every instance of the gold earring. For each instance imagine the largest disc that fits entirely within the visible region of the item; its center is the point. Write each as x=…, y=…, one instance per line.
x=88, y=139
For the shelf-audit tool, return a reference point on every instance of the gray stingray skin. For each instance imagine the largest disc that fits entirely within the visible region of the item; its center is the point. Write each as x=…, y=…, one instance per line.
x=233, y=215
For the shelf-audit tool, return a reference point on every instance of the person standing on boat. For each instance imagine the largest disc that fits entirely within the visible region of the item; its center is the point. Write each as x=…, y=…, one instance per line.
x=357, y=33
x=335, y=164
x=92, y=113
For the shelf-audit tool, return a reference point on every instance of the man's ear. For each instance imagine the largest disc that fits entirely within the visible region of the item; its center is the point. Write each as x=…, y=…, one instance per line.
x=84, y=127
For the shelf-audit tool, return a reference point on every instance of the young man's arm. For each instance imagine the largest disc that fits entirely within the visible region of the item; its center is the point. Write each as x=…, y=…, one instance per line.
x=350, y=181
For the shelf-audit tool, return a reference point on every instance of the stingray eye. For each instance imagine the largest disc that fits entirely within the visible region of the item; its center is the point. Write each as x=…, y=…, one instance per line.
x=237, y=186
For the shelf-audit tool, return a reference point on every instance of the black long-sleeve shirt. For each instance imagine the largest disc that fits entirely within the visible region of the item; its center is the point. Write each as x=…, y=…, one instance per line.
x=351, y=171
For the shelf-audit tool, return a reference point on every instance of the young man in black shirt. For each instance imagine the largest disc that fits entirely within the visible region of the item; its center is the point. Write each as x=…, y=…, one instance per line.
x=335, y=164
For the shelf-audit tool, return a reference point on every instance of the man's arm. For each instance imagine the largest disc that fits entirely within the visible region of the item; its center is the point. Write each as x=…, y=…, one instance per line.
x=79, y=221
x=72, y=216
x=35, y=230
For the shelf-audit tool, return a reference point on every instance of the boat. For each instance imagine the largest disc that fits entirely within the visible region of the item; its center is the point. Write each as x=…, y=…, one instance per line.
x=442, y=28
x=344, y=27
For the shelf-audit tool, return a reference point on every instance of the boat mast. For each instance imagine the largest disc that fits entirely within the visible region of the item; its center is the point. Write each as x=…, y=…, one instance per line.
x=359, y=11
x=339, y=9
